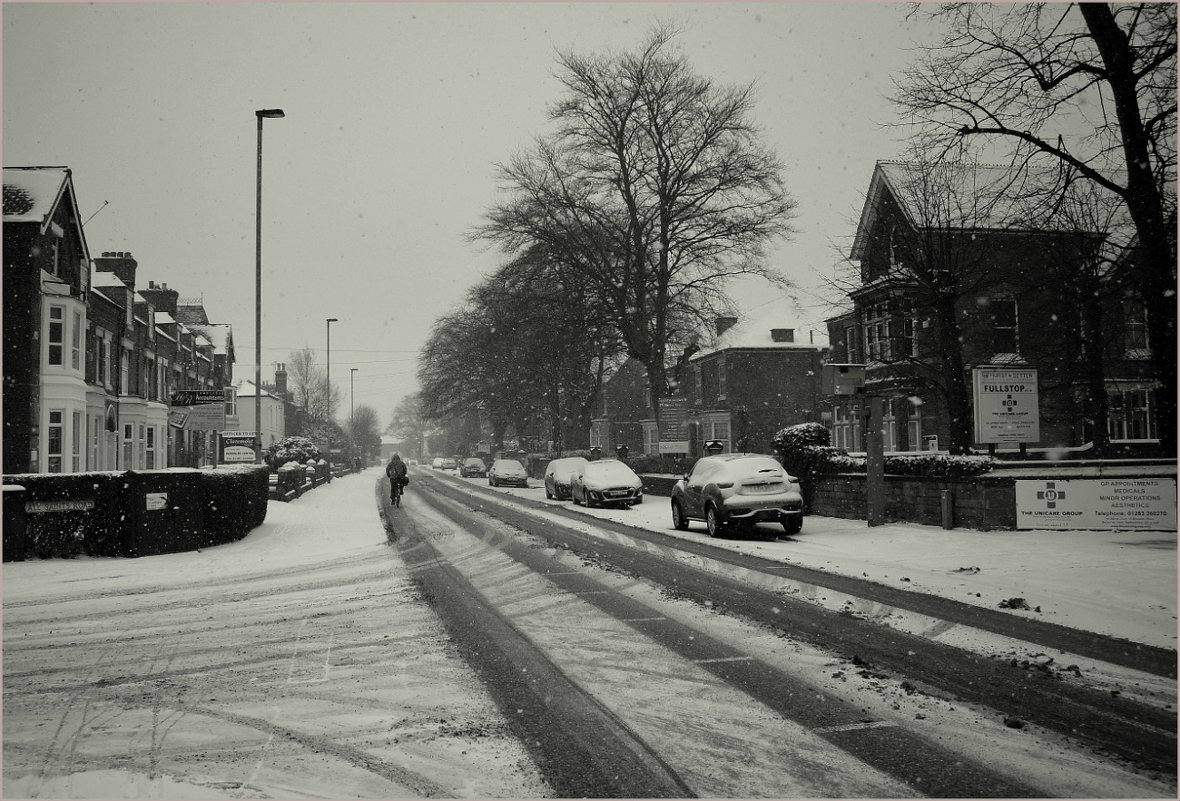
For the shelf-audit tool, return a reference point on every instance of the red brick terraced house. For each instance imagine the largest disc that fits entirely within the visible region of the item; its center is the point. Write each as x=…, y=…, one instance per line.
x=90, y=363
x=945, y=257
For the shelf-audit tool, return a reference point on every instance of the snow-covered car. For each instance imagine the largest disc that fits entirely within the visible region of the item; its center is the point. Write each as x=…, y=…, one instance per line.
x=436, y=463
x=448, y=464
x=606, y=482
x=473, y=467
x=558, y=474
x=508, y=471
x=737, y=488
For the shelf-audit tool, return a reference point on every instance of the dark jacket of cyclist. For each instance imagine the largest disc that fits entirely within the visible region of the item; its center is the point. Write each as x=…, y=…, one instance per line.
x=396, y=468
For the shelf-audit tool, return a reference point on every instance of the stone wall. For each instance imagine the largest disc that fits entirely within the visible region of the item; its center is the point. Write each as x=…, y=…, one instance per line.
x=984, y=502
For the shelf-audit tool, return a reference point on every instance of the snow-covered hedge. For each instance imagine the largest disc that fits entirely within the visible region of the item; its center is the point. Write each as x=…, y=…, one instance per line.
x=292, y=449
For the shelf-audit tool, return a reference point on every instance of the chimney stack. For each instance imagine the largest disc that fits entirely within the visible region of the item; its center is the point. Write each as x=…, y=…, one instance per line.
x=281, y=379
x=121, y=264
x=724, y=324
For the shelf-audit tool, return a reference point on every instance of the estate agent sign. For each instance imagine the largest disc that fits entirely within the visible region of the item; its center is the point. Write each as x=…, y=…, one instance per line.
x=673, y=425
x=204, y=409
x=1007, y=408
x=1120, y=504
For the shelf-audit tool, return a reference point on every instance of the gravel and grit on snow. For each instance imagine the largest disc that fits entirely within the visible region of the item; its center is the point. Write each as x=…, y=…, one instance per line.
x=412, y=717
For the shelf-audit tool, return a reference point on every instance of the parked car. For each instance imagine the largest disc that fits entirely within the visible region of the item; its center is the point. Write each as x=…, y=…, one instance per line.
x=558, y=475
x=473, y=467
x=737, y=488
x=448, y=464
x=436, y=463
x=606, y=482
x=508, y=471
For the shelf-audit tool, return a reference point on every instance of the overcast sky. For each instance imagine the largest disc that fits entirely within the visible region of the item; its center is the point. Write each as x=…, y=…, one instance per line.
x=396, y=116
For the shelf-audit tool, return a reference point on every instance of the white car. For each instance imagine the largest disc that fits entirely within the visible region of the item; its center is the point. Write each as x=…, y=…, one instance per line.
x=558, y=475
x=737, y=489
x=508, y=471
x=606, y=482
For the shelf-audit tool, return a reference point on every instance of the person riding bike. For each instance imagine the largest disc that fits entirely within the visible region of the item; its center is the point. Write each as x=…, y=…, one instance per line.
x=396, y=471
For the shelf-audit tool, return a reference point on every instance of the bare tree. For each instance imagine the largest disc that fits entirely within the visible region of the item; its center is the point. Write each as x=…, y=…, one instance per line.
x=364, y=432
x=654, y=187
x=408, y=424
x=1090, y=87
x=308, y=383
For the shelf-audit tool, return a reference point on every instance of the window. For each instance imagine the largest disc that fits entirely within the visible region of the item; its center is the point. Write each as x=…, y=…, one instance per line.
x=889, y=424
x=124, y=371
x=53, y=445
x=1004, y=338
x=846, y=429
x=76, y=444
x=909, y=334
x=721, y=388
x=56, y=266
x=150, y=461
x=150, y=366
x=852, y=344
x=1132, y=415
x=76, y=343
x=141, y=448
x=698, y=391
x=876, y=328
x=1135, y=329
x=128, y=436
x=56, y=334
x=95, y=427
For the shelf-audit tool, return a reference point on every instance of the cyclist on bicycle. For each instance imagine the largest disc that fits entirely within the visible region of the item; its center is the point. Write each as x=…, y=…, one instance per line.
x=396, y=470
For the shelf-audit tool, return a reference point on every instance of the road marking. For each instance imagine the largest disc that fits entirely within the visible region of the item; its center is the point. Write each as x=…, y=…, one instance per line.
x=641, y=619
x=724, y=659
x=872, y=724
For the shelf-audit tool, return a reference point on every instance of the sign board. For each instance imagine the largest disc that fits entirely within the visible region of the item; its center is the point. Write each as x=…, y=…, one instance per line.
x=1007, y=407
x=673, y=425
x=177, y=418
x=194, y=397
x=1121, y=504
x=205, y=417
x=236, y=448
x=155, y=501
x=842, y=379
x=78, y=505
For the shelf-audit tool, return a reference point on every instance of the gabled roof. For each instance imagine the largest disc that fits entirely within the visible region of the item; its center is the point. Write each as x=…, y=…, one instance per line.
x=753, y=331
x=959, y=196
x=32, y=195
x=246, y=389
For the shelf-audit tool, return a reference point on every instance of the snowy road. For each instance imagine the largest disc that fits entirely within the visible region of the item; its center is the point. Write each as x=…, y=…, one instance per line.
x=302, y=662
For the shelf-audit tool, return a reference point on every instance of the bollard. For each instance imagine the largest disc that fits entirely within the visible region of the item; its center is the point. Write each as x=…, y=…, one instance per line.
x=947, y=505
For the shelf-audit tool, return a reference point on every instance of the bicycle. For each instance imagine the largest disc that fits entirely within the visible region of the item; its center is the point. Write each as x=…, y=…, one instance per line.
x=395, y=492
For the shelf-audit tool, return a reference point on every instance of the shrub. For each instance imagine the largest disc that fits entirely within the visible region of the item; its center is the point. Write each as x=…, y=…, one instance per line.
x=801, y=435
x=291, y=449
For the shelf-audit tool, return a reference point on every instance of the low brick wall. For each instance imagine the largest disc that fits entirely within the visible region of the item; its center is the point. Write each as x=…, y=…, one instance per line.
x=982, y=502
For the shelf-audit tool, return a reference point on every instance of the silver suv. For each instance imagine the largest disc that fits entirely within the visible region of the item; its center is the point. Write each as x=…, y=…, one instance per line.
x=737, y=488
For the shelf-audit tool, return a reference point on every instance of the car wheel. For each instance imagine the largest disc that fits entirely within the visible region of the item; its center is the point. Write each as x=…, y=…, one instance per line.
x=679, y=521
x=713, y=521
x=793, y=525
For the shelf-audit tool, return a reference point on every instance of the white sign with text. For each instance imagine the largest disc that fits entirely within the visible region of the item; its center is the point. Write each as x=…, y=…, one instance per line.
x=1120, y=504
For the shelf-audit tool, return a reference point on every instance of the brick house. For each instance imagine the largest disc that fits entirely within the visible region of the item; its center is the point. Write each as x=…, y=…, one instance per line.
x=751, y=379
x=759, y=375
x=89, y=362
x=943, y=257
x=45, y=283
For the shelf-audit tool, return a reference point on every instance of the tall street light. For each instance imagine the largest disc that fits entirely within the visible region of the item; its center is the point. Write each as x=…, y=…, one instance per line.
x=352, y=408
x=261, y=114
x=328, y=321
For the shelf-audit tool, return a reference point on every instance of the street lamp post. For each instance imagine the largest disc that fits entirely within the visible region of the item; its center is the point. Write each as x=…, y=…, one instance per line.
x=328, y=374
x=352, y=408
x=261, y=114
